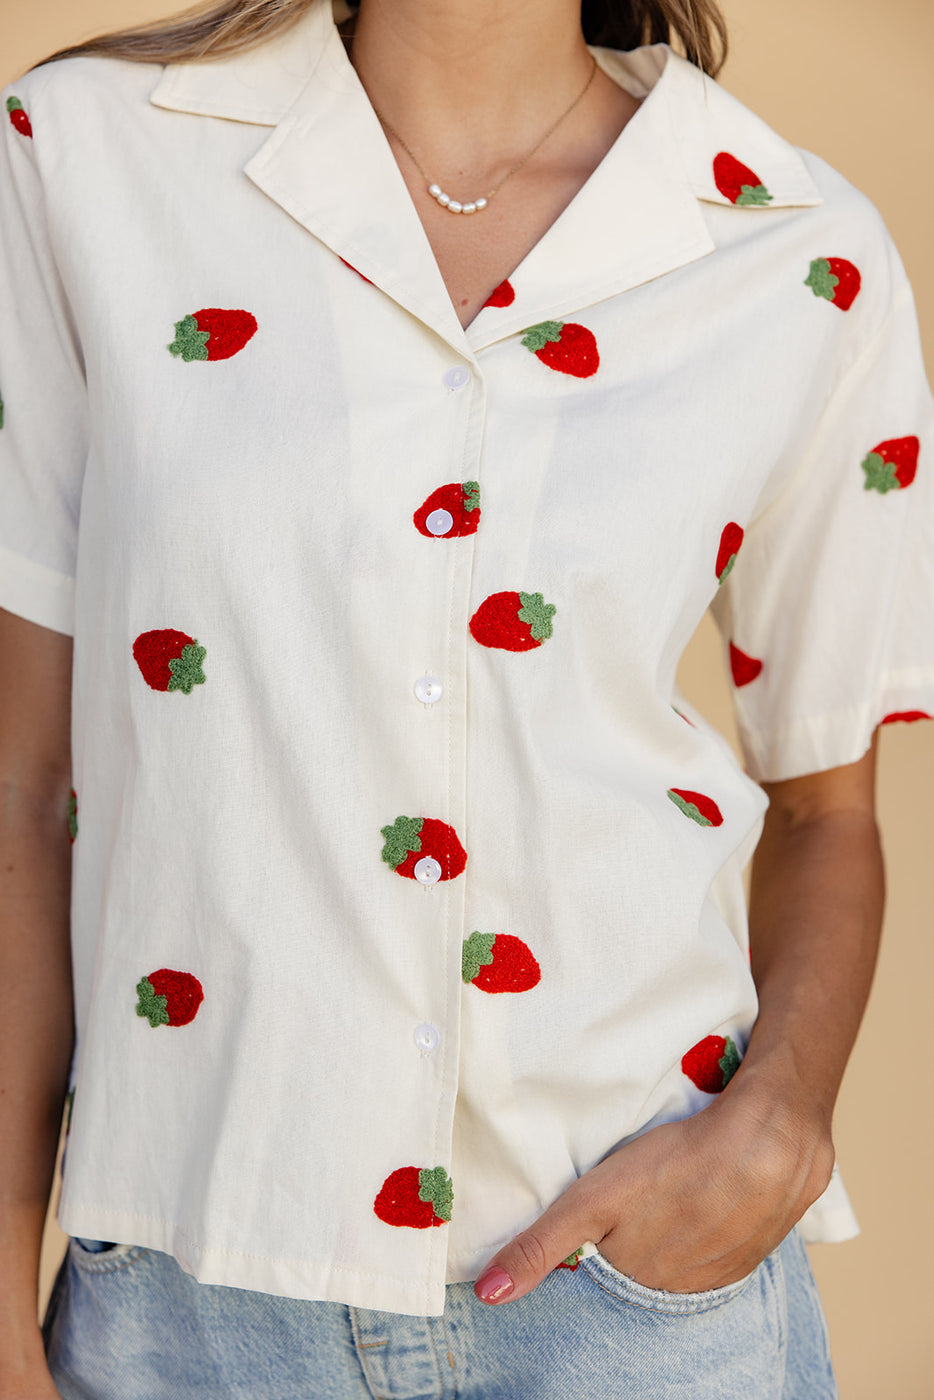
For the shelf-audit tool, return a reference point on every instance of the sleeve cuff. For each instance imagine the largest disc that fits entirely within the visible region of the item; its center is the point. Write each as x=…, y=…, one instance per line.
x=36, y=593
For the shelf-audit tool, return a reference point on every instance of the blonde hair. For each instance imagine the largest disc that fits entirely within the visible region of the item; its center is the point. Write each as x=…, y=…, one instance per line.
x=217, y=30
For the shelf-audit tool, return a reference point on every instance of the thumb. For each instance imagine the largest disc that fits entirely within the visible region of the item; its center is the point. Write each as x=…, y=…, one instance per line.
x=518, y=1268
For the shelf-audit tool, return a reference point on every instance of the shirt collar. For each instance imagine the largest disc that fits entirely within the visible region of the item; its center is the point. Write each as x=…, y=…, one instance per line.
x=327, y=163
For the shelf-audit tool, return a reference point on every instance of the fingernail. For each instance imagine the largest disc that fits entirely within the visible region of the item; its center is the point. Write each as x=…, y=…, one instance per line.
x=493, y=1286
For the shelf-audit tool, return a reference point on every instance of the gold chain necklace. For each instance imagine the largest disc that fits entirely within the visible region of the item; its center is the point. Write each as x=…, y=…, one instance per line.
x=474, y=206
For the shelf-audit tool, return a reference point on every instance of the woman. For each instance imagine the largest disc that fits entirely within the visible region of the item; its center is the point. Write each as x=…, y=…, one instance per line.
x=388, y=395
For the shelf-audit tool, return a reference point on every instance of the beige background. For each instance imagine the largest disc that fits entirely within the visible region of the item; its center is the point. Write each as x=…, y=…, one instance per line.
x=849, y=79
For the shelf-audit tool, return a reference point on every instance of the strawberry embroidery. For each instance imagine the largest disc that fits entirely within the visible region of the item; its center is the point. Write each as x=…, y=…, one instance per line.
x=18, y=116
x=358, y=272
x=744, y=668
x=450, y=511
x=169, y=660
x=695, y=805
x=411, y=839
x=905, y=716
x=420, y=1197
x=711, y=1063
x=837, y=279
x=503, y=295
x=891, y=465
x=565, y=346
x=513, y=621
x=572, y=1261
x=212, y=333
x=735, y=180
x=72, y=815
x=499, y=962
x=169, y=998
x=730, y=541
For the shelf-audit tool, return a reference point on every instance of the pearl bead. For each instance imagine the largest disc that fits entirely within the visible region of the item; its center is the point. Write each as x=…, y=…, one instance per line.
x=469, y=208
x=454, y=206
x=434, y=191
x=481, y=203
x=443, y=198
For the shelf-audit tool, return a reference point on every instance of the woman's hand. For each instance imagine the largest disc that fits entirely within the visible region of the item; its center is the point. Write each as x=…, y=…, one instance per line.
x=687, y=1206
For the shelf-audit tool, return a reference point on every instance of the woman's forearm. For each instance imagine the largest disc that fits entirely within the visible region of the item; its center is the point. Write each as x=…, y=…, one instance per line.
x=816, y=905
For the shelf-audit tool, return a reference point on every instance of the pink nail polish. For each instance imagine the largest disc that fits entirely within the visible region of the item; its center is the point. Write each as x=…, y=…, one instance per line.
x=493, y=1286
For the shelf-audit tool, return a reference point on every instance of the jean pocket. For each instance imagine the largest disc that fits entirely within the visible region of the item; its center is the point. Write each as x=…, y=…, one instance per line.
x=660, y=1300
x=102, y=1256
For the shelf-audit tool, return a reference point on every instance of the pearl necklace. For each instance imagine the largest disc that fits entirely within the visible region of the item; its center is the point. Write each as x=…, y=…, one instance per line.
x=474, y=206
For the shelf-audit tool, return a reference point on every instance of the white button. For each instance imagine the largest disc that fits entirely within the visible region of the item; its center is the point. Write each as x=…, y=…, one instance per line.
x=428, y=689
x=427, y=871
x=427, y=1037
x=439, y=522
x=456, y=377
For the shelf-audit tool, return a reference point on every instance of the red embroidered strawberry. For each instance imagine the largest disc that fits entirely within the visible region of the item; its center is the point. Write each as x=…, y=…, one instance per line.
x=735, y=180
x=513, y=621
x=572, y=1261
x=18, y=116
x=837, y=279
x=695, y=805
x=711, y=1063
x=72, y=815
x=730, y=542
x=169, y=998
x=745, y=668
x=212, y=333
x=499, y=962
x=420, y=1197
x=891, y=465
x=169, y=660
x=411, y=840
x=905, y=716
x=450, y=511
x=503, y=295
x=565, y=346
x=354, y=269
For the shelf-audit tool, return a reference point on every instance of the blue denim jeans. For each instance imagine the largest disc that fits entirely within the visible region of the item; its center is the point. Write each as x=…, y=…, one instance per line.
x=126, y=1323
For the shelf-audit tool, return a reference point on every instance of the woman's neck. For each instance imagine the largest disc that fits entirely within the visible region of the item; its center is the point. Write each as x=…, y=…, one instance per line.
x=470, y=86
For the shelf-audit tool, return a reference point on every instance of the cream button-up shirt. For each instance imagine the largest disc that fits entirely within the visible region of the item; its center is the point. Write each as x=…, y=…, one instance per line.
x=406, y=885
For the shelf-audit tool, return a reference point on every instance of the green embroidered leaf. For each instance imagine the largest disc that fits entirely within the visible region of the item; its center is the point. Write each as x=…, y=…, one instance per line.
x=150, y=1005
x=477, y=953
x=189, y=342
x=186, y=669
x=573, y=1258
x=689, y=809
x=820, y=279
x=537, y=337
x=538, y=614
x=13, y=104
x=880, y=474
x=402, y=837
x=753, y=194
x=727, y=568
x=471, y=490
x=729, y=1061
x=435, y=1185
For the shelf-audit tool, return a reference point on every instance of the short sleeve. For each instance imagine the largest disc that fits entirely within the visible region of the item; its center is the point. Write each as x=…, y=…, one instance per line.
x=827, y=615
x=43, y=418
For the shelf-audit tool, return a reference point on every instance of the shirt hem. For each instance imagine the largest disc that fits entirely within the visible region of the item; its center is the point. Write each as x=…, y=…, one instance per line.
x=36, y=593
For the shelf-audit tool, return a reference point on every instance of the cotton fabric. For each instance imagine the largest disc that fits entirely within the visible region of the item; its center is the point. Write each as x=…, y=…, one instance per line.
x=232, y=379
x=112, y=1332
